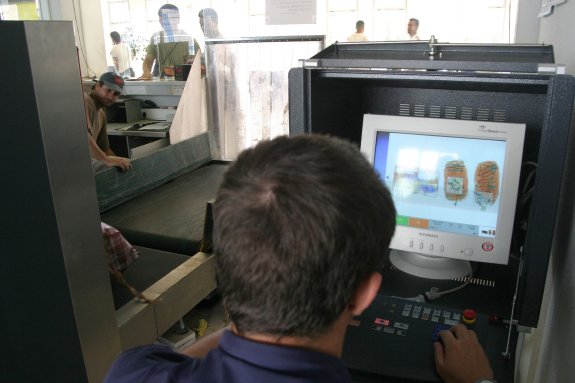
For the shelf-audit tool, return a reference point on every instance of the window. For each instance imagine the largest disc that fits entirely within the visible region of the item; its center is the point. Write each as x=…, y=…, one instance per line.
x=18, y=10
x=119, y=11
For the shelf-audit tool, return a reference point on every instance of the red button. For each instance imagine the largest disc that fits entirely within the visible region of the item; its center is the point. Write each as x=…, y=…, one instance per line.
x=487, y=246
x=469, y=316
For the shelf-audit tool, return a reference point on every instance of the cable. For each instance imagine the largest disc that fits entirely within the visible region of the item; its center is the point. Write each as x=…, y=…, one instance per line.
x=522, y=202
x=507, y=352
x=434, y=294
x=80, y=39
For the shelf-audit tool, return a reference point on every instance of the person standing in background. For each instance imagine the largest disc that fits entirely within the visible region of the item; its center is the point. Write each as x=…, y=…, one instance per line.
x=209, y=23
x=412, y=27
x=121, y=55
x=358, y=36
x=168, y=47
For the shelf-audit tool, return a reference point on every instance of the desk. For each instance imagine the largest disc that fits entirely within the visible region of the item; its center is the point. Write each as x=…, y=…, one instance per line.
x=164, y=93
x=138, y=142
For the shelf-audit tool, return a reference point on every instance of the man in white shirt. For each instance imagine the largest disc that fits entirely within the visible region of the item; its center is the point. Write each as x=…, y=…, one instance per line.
x=412, y=26
x=120, y=53
x=358, y=36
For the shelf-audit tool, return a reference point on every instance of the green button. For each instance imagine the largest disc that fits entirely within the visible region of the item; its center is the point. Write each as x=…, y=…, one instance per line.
x=402, y=220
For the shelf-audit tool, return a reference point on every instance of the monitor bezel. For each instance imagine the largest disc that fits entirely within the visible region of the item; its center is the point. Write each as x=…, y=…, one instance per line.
x=449, y=245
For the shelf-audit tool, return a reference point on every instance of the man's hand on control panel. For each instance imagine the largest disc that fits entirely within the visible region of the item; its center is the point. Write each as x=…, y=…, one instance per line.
x=459, y=357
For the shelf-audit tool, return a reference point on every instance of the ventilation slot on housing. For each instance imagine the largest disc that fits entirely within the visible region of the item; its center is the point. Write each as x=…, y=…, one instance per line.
x=474, y=281
x=466, y=113
x=477, y=281
x=452, y=112
x=499, y=115
x=483, y=114
x=435, y=111
x=419, y=111
x=405, y=109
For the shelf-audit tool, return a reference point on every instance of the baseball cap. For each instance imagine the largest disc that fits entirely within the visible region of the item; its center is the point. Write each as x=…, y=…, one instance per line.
x=113, y=81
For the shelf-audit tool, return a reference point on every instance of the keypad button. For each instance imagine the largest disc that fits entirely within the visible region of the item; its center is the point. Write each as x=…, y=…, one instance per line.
x=402, y=326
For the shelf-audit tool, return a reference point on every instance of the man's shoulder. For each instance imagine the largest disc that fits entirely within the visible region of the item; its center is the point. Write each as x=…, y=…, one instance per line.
x=156, y=363
x=181, y=35
x=357, y=37
x=155, y=38
x=88, y=100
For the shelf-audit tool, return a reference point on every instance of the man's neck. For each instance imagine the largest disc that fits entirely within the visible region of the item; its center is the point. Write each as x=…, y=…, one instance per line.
x=330, y=342
x=99, y=105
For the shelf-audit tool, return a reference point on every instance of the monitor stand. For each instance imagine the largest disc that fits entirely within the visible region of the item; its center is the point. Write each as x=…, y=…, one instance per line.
x=428, y=266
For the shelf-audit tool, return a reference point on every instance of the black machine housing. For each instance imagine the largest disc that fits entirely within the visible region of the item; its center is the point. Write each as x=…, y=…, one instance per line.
x=330, y=93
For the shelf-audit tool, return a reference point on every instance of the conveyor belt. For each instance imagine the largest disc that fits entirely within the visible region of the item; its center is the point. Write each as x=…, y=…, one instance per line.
x=150, y=267
x=170, y=217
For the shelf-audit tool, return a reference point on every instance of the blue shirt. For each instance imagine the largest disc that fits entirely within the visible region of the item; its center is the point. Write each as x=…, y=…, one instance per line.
x=236, y=359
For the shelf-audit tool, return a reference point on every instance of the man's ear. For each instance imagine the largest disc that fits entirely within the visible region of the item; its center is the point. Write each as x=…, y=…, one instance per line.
x=365, y=293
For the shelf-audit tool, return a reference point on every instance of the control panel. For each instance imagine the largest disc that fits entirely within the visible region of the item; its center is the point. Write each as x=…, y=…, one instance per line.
x=394, y=337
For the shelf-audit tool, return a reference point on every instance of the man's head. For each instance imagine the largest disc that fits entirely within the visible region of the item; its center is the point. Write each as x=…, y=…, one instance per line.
x=115, y=37
x=209, y=22
x=108, y=88
x=300, y=223
x=169, y=16
x=412, y=26
x=359, y=26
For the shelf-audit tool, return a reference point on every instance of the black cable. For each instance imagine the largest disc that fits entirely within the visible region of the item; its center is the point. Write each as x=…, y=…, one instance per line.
x=522, y=209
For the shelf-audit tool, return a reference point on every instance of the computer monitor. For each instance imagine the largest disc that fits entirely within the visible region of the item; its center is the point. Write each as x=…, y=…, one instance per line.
x=454, y=184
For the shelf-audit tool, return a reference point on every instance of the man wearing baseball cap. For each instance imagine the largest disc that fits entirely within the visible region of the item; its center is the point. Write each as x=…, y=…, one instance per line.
x=104, y=93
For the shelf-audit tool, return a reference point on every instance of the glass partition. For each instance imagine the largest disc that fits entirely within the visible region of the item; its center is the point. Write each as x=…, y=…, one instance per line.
x=247, y=88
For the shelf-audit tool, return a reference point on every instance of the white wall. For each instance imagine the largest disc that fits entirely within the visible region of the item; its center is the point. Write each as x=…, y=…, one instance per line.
x=527, y=28
x=87, y=19
x=557, y=29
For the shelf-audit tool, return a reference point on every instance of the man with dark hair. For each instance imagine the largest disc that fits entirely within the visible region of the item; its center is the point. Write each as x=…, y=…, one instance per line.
x=209, y=23
x=358, y=36
x=301, y=227
x=104, y=93
x=168, y=47
x=412, y=27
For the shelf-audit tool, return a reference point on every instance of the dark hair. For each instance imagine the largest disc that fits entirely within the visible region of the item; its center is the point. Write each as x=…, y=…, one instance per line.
x=416, y=21
x=115, y=37
x=359, y=24
x=167, y=7
x=209, y=13
x=299, y=223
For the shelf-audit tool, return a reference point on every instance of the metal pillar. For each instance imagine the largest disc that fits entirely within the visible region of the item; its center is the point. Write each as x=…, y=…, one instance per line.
x=56, y=309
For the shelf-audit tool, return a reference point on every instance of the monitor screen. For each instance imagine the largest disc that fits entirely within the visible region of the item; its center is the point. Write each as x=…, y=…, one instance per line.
x=454, y=183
